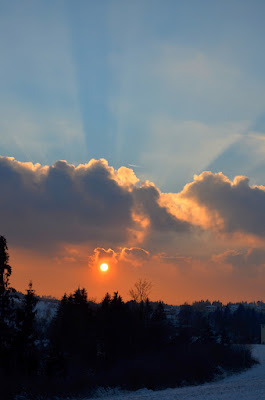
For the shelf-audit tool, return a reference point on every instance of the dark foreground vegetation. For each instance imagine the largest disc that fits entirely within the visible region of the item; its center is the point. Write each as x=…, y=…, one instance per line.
x=130, y=345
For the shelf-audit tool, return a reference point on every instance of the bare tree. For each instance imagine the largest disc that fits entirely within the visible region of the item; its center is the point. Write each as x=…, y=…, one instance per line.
x=141, y=290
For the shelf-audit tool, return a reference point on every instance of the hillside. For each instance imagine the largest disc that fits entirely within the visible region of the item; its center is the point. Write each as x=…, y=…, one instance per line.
x=249, y=385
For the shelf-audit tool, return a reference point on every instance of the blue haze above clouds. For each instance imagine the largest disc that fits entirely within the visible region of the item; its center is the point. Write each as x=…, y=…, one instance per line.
x=174, y=87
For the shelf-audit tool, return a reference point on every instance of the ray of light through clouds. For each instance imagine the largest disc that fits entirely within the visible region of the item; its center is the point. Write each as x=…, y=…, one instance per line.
x=40, y=111
x=158, y=109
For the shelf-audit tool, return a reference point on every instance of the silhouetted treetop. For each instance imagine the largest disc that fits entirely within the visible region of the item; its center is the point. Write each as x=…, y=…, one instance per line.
x=141, y=290
x=5, y=269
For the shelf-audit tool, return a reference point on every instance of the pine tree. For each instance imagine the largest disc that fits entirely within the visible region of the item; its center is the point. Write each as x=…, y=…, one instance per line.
x=5, y=269
x=30, y=302
x=28, y=334
x=5, y=306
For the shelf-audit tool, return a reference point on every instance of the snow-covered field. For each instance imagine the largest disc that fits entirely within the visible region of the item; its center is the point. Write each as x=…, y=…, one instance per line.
x=249, y=385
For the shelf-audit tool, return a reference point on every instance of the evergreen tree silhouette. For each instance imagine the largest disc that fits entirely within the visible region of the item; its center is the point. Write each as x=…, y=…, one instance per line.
x=30, y=302
x=5, y=269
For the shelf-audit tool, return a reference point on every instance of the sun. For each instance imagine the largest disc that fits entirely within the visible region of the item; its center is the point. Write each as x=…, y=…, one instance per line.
x=104, y=267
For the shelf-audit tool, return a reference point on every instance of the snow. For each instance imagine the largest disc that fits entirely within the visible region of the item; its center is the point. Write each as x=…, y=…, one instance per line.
x=46, y=310
x=248, y=385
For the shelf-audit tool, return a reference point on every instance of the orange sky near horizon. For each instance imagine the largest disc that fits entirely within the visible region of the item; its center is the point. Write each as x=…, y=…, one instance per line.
x=170, y=283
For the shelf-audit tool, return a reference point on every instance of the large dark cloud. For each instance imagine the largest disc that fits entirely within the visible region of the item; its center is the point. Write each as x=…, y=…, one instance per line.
x=230, y=206
x=42, y=207
x=62, y=203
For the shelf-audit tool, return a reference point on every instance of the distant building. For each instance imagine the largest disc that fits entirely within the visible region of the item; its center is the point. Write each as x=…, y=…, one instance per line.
x=262, y=333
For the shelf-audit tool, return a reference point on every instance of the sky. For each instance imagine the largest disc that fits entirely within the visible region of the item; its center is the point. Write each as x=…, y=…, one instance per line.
x=133, y=133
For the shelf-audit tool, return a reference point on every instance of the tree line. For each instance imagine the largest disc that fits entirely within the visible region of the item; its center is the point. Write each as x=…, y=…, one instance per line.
x=114, y=343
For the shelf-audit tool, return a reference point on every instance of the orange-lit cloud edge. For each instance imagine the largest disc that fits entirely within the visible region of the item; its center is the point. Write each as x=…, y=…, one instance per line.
x=62, y=221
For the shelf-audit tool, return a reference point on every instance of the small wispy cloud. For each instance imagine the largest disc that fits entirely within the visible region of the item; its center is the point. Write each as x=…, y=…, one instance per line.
x=135, y=166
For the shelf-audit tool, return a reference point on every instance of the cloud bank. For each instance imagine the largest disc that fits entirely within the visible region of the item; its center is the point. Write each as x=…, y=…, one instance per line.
x=93, y=202
x=44, y=206
x=75, y=217
x=227, y=206
x=93, y=213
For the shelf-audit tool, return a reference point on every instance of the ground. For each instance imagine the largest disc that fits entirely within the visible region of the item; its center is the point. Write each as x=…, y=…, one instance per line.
x=248, y=385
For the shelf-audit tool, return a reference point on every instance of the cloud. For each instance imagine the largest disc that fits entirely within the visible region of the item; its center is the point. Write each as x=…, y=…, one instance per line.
x=250, y=260
x=231, y=257
x=256, y=256
x=147, y=201
x=134, y=255
x=45, y=206
x=213, y=201
x=126, y=177
x=101, y=255
x=250, y=257
x=70, y=255
x=93, y=206
x=175, y=260
x=72, y=218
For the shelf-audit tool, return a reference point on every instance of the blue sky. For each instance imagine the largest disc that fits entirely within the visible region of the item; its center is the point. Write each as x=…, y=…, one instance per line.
x=173, y=87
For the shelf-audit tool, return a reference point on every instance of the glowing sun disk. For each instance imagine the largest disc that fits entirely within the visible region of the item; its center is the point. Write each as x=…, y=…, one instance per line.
x=104, y=267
